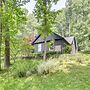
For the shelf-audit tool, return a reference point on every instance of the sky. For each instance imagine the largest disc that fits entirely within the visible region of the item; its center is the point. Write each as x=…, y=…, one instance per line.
x=30, y=6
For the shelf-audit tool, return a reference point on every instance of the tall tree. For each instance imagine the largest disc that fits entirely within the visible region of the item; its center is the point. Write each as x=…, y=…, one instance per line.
x=61, y=23
x=7, y=39
x=77, y=18
x=13, y=16
x=0, y=30
x=46, y=16
x=68, y=15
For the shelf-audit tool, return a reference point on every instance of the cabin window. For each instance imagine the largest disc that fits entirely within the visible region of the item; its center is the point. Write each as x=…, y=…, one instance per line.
x=39, y=47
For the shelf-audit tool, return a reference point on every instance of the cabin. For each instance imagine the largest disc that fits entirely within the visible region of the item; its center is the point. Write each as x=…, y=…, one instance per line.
x=55, y=43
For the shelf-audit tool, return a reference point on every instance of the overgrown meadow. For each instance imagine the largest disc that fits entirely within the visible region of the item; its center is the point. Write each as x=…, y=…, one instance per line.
x=67, y=72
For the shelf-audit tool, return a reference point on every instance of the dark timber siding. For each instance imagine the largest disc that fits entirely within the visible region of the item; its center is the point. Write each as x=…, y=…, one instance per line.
x=59, y=42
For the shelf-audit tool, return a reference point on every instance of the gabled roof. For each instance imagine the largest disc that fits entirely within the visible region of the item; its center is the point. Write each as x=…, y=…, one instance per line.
x=70, y=39
x=36, y=39
x=54, y=36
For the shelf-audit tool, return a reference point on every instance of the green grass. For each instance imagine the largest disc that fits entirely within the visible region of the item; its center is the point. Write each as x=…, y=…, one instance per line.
x=77, y=77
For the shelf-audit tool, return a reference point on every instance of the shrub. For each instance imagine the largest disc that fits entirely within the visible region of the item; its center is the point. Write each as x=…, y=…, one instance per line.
x=47, y=67
x=32, y=71
x=20, y=68
x=67, y=49
x=27, y=49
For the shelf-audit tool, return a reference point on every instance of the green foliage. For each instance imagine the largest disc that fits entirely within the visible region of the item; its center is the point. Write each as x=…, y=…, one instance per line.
x=86, y=51
x=12, y=17
x=21, y=2
x=27, y=49
x=67, y=49
x=77, y=77
x=51, y=44
x=74, y=20
x=45, y=15
x=20, y=68
x=46, y=67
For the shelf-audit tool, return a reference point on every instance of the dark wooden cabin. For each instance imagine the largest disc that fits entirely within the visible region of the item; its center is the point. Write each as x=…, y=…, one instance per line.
x=58, y=43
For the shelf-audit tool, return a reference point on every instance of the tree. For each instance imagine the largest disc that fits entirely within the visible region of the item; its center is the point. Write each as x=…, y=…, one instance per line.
x=44, y=14
x=0, y=30
x=76, y=18
x=80, y=23
x=21, y=2
x=61, y=23
x=68, y=16
x=7, y=39
x=13, y=17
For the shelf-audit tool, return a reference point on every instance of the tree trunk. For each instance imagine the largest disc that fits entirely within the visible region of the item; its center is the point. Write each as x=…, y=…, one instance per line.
x=0, y=31
x=7, y=41
x=69, y=29
x=45, y=50
x=7, y=50
x=45, y=33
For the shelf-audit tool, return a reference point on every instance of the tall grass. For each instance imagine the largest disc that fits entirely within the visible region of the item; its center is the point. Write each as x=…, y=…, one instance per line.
x=20, y=68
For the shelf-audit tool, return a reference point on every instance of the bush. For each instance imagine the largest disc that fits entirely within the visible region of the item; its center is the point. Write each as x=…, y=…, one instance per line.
x=67, y=49
x=32, y=71
x=47, y=67
x=21, y=68
x=27, y=49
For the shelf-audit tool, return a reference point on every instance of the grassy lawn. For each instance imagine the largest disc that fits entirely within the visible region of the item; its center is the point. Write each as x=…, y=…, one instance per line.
x=75, y=77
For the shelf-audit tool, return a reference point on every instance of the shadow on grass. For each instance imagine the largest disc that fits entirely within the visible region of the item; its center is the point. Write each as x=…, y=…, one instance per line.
x=39, y=56
x=3, y=71
x=86, y=52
